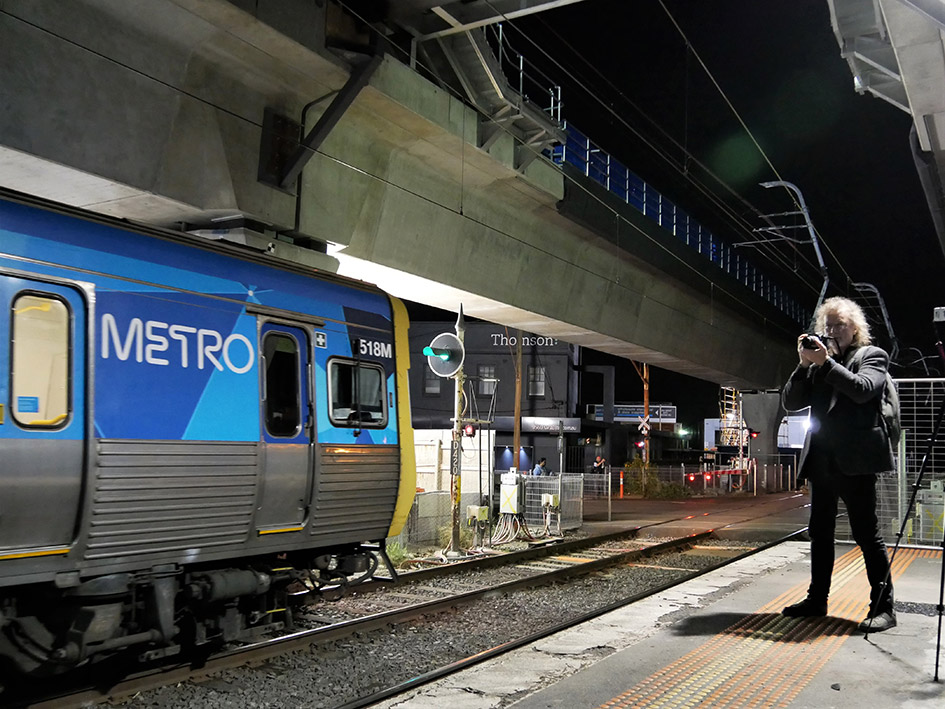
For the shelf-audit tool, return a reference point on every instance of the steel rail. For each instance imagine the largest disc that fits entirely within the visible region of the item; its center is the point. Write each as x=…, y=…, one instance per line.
x=263, y=650
x=498, y=650
x=260, y=651
x=538, y=551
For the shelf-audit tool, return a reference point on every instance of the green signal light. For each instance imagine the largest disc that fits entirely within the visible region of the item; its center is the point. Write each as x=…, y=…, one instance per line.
x=437, y=352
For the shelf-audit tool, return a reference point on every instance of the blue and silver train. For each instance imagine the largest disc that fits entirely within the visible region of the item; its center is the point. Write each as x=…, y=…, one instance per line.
x=190, y=435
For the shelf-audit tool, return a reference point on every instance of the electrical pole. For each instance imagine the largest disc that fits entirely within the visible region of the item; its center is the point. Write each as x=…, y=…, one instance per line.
x=517, y=422
x=646, y=412
x=644, y=374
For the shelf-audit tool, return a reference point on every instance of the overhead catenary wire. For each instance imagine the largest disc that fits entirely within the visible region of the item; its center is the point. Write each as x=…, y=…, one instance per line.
x=771, y=253
x=747, y=130
x=736, y=218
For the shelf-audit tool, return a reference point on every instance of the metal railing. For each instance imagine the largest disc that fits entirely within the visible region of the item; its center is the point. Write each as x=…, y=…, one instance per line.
x=607, y=171
x=523, y=75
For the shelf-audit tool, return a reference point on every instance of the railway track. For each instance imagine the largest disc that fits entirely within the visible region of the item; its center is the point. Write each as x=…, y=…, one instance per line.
x=608, y=572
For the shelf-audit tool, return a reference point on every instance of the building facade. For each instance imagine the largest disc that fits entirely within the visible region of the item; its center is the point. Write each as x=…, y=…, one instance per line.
x=550, y=384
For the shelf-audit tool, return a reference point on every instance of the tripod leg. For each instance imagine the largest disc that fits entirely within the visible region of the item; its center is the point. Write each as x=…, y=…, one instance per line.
x=902, y=527
x=941, y=608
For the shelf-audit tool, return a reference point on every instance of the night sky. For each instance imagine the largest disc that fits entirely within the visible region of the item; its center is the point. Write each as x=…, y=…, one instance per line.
x=630, y=84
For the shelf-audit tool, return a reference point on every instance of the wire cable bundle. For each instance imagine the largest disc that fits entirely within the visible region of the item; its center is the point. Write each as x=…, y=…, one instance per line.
x=509, y=528
x=549, y=513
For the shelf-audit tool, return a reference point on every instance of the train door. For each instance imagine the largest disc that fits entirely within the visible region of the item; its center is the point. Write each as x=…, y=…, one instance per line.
x=287, y=427
x=42, y=415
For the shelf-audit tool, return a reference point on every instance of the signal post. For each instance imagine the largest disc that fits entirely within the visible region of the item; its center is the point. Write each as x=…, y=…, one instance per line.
x=446, y=355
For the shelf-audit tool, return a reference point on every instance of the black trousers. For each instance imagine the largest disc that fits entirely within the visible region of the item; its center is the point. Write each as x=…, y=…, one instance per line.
x=858, y=493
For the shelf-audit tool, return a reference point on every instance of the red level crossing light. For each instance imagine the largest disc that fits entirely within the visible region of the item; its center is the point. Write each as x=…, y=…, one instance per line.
x=469, y=430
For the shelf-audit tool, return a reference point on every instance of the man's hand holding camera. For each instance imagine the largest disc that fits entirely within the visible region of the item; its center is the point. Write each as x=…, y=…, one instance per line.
x=812, y=350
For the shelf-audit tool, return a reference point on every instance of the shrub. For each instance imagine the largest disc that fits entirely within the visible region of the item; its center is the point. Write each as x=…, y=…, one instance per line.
x=445, y=533
x=644, y=482
x=397, y=553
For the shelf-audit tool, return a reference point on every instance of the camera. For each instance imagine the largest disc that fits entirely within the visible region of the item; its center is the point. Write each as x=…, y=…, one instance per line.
x=808, y=343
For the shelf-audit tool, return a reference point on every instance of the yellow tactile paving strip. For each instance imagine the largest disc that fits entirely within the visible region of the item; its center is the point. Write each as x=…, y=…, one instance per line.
x=766, y=659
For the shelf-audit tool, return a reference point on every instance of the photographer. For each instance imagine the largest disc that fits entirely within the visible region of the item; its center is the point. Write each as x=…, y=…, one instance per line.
x=842, y=378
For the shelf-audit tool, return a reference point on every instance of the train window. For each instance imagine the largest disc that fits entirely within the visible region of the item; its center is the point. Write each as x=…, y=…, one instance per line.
x=40, y=361
x=358, y=394
x=282, y=384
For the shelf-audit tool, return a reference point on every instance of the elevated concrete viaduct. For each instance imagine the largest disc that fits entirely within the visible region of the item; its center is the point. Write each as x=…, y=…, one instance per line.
x=170, y=112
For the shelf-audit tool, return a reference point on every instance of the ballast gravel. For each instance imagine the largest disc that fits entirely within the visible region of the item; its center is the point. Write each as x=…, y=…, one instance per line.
x=331, y=674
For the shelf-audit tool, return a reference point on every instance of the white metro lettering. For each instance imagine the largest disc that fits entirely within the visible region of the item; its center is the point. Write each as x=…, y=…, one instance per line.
x=372, y=348
x=144, y=340
x=156, y=343
x=205, y=350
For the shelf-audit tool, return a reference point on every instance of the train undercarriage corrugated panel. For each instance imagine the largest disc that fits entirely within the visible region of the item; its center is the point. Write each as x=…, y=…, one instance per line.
x=165, y=496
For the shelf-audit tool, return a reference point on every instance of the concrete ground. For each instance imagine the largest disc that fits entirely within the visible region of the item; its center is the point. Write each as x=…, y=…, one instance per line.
x=720, y=640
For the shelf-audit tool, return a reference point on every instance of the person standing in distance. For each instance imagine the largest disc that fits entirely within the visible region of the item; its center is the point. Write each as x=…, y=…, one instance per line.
x=841, y=376
x=540, y=468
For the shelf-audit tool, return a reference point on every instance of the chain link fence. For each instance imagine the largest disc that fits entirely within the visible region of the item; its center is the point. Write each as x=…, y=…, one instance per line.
x=920, y=401
x=544, y=519
x=430, y=517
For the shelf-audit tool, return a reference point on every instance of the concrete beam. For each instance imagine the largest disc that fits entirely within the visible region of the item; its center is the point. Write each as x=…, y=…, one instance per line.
x=433, y=207
x=152, y=110
x=152, y=106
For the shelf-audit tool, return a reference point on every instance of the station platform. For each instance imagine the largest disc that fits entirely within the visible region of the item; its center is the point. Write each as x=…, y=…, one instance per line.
x=758, y=518
x=720, y=641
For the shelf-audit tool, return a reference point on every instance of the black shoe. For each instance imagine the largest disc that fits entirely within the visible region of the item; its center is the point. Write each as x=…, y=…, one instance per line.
x=808, y=608
x=879, y=622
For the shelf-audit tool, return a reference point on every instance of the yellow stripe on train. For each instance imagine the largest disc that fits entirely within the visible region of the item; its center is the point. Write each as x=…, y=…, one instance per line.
x=280, y=530
x=34, y=553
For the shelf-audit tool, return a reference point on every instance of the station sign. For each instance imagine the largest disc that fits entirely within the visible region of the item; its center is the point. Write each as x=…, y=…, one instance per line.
x=633, y=413
x=539, y=424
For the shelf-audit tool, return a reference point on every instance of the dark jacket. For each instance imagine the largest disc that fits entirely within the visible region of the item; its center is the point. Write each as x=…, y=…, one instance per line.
x=845, y=420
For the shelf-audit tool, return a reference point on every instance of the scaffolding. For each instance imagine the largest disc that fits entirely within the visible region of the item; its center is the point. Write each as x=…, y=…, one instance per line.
x=730, y=416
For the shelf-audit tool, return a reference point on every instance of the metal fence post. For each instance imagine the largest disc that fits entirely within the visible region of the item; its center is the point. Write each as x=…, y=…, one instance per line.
x=609, y=494
x=901, y=483
x=560, y=498
x=581, y=498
